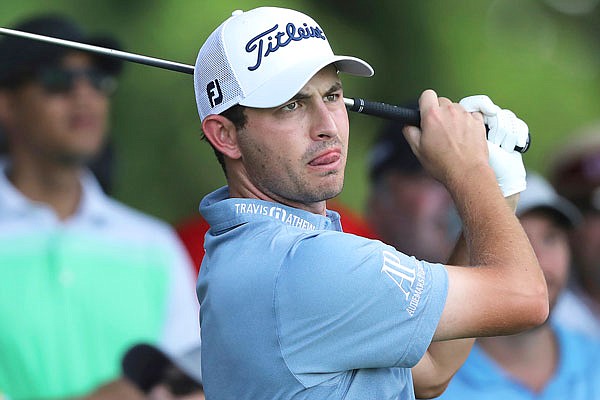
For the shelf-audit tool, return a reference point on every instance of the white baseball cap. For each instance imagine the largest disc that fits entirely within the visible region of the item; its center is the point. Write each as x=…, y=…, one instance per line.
x=540, y=195
x=262, y=58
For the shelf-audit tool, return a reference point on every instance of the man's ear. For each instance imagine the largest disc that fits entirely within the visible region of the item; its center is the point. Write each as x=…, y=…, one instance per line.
x=222, y=134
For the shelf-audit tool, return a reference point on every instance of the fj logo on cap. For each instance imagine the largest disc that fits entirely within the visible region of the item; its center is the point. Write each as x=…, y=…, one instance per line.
x=280, y=39
x=215, y=96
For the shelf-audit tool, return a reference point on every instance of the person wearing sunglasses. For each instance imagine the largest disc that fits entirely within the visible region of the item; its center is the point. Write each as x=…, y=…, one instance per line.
x=82, y=276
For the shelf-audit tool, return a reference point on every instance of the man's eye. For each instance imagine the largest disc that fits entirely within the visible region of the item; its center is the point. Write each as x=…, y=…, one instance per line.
x=290, y=106
x=332, y=97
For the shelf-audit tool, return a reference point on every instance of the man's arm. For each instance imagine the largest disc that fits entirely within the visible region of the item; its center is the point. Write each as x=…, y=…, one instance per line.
x=504, y=291
x=433, y=372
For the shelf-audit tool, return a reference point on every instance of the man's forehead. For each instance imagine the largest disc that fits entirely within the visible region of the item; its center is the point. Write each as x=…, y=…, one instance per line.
x=76, y=58
x=306, y=92
x=324, y=81
x=547, y=214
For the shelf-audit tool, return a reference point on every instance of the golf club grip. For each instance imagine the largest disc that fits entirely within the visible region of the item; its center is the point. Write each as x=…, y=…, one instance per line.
x=408, y=116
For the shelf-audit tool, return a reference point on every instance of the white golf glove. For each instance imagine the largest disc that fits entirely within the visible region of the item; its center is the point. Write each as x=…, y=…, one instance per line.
x=505, y=132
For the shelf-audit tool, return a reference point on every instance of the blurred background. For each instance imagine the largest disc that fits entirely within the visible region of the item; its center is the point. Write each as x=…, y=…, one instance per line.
x=540, y=58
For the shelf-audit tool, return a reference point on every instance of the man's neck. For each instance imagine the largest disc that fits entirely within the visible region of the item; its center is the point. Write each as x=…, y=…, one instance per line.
x=530, y=358
x=57, y=186
x=241, y=187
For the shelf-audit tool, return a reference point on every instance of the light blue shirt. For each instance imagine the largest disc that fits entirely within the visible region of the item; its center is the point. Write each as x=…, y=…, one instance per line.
x=577, y=376
x=293, y=308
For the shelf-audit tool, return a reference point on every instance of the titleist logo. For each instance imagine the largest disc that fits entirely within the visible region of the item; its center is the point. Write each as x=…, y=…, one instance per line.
x=279, y=40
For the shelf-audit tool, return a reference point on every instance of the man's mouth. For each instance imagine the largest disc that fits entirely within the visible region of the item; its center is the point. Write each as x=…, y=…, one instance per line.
x=84, y=121
x=326, y=159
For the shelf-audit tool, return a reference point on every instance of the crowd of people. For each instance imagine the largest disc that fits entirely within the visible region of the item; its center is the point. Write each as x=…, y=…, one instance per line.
x=463, y=278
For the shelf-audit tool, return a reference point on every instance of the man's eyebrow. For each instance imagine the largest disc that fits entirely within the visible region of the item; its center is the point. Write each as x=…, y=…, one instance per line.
x=300, y=96
x=303, y=95
x=335, y=87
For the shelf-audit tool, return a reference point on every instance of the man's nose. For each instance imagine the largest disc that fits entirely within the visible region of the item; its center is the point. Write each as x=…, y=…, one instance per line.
x=323, y=124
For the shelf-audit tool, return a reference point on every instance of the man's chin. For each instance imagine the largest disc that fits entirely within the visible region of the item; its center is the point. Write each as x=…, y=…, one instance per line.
x=76, y=159
x=331, y=191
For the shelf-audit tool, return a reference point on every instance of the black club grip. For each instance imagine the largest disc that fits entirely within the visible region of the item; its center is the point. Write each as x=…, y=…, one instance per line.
x=408, y=116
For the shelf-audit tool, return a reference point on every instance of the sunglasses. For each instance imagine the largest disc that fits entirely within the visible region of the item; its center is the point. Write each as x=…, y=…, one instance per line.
x=56, y=80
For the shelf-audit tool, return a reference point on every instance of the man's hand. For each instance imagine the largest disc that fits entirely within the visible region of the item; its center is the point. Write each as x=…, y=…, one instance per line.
x=505, y=128
x=508, y=168
x=505, y=132
x=450, y=140
x=115, y=390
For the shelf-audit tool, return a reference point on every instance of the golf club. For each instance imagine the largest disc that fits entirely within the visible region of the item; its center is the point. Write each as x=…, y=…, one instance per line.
x=405, y=115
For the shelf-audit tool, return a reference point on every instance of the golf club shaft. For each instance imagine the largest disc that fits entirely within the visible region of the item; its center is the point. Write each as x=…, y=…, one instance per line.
x=358, y=105
x=383, y=110
x=154, y=62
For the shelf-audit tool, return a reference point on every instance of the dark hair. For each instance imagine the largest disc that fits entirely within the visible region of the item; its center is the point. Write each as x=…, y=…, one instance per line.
x=22, y=58
x=238, y=117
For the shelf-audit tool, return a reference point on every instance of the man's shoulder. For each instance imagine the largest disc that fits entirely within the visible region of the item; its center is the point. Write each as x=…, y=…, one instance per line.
x=130, y=218
x=115, y=212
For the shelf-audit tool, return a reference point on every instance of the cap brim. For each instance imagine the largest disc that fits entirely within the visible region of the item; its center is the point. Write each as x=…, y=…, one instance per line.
x=567, y=214
x=288, y=83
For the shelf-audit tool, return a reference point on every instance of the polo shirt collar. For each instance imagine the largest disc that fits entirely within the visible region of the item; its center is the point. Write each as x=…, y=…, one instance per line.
x=223, y=212
x=93, y=206
x=11, y=200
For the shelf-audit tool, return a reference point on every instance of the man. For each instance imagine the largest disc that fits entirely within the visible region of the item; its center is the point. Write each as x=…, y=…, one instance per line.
x=548, y=362
x=575, y=173
x=408, y=208
x=83, y=277
x=290, y=306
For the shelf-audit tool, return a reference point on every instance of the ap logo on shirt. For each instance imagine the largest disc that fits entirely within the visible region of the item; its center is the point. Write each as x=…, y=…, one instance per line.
x=404, y=277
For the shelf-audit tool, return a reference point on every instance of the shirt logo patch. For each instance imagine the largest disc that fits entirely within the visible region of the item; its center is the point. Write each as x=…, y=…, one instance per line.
x=404, y=277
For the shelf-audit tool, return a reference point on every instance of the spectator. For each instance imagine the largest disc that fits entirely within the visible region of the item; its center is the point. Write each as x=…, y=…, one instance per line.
x=550, y=361
x=83, y=277
x=575, y=173
x=407, y=207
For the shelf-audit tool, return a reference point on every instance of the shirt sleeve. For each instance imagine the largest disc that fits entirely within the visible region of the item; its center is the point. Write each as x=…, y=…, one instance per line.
x=344, y=302
x=181, y=328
